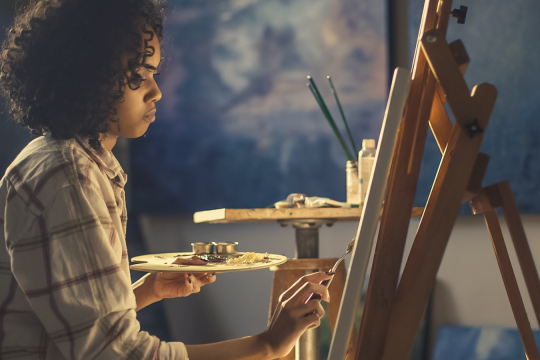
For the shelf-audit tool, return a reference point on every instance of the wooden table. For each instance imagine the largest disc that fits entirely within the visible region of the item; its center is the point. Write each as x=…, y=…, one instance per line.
x=269, y=214
x=306, y=222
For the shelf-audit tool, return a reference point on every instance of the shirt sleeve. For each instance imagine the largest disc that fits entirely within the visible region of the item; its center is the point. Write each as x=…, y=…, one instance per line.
x=71, y=274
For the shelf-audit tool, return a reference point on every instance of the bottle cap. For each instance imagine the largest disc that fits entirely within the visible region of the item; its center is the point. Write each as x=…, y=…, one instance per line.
x=368, y=144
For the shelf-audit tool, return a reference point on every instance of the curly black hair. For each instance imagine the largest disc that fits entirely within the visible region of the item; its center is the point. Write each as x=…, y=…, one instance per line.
x=61, y=64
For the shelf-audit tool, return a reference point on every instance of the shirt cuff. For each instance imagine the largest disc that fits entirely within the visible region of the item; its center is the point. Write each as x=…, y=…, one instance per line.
x=172, y=350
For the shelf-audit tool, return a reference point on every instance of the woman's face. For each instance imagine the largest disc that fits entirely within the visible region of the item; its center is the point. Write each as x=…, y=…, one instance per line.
x=138, y=108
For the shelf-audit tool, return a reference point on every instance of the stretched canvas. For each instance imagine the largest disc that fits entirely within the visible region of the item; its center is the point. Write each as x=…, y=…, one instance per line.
x=370, y=215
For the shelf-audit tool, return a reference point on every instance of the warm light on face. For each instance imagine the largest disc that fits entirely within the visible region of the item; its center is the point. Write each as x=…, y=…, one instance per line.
x=138, y=108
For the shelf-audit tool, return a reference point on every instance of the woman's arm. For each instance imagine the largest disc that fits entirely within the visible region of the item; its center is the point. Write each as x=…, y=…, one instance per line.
x=144, y=294
x=252, y=347
x=291, y=319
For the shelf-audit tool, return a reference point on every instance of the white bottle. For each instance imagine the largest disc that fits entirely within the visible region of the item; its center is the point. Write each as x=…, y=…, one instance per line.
x=353, y=196
x=366, y=157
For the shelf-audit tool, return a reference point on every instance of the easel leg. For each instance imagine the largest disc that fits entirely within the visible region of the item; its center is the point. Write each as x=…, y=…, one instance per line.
x=511, y=285
x=526, y=261
x=336, y=293
x=439, y=216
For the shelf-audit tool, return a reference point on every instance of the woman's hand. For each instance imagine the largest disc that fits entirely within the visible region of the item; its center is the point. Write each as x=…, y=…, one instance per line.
x=293, y=316
x=172, y=284
x=288, y=323
x=159, y=285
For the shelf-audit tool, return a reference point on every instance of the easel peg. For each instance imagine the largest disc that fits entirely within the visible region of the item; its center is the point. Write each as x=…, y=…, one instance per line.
x=473, y=128
x=460, y=14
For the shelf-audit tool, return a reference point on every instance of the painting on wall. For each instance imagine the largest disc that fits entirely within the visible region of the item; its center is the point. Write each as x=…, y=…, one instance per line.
x=237, y=125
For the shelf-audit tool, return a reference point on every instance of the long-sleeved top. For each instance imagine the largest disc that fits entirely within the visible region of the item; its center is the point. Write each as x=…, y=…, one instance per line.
x=65, y=286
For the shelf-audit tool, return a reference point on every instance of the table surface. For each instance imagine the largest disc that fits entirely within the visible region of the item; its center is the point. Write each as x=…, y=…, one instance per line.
x=271, y=215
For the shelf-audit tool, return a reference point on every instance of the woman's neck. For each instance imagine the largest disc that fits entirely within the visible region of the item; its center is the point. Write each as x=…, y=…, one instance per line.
x=108, y=141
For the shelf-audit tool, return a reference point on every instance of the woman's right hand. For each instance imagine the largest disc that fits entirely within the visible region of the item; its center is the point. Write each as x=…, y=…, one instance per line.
x=292, y=316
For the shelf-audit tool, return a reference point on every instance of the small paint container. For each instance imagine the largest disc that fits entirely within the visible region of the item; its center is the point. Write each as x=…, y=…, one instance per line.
x=226, y=248
x=202, y=248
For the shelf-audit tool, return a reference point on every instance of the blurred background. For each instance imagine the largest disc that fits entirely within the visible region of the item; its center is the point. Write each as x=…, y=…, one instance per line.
x=238, y=128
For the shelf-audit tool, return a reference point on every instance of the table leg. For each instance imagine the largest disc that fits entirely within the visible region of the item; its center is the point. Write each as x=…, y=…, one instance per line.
x=307, y=242
x=307, y=247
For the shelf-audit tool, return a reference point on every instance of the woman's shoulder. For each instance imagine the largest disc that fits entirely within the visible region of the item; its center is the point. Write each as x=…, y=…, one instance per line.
x=47, y=165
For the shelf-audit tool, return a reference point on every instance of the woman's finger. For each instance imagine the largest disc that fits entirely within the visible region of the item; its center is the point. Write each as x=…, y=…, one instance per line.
x=315, y=324
x=206, y=278
x=311, y=321
x=299, y=311
x=314, y=278
x=186, y=289
x=314, y=315
x=171, y=275
x=313, y=307
x=303, y=293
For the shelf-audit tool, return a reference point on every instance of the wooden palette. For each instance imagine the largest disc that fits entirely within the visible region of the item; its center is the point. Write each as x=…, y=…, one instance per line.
x=164, y=262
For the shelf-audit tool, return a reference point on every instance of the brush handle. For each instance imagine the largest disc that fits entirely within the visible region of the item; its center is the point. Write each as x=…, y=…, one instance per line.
x=329, y=118
x=343, y=115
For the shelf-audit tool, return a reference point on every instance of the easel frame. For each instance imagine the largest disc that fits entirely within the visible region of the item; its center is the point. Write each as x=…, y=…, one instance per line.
x=393, y=312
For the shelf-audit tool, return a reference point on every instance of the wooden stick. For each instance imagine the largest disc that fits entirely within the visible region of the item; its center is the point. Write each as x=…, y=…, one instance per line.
x=511, y=285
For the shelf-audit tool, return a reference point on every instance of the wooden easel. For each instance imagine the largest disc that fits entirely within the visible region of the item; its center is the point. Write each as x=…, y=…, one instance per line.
x=393, y=312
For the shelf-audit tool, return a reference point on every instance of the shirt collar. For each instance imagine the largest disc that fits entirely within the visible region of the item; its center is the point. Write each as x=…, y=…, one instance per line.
x=106, y=161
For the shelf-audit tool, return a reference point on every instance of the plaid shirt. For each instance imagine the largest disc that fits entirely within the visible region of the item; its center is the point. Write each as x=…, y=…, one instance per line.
x=65, y=286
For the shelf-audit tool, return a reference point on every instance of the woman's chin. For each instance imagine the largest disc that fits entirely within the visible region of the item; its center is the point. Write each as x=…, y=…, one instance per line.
x=136, y=133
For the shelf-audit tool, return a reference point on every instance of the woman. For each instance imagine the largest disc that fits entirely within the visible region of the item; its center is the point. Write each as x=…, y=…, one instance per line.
x=79, y=74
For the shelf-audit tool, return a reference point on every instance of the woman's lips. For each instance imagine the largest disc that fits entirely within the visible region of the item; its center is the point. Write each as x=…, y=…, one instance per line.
x=150, y=116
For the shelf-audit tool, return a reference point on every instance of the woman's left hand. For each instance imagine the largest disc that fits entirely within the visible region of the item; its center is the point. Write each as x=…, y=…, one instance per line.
x=173, y=284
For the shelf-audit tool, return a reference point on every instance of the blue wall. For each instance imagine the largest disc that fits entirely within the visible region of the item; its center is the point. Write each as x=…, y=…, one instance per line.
x=502, y=40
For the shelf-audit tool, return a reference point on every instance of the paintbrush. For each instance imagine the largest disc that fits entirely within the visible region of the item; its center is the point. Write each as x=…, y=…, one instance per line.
x=326, y=112
x=342, y=115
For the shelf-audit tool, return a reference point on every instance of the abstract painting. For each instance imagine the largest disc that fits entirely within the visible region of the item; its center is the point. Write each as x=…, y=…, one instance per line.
x=237, y=126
